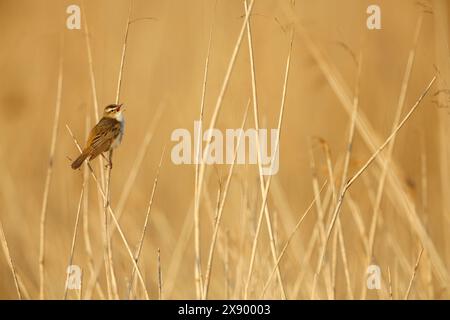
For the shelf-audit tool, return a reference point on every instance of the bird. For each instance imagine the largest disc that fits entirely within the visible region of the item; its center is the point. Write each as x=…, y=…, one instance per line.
x=105, y=136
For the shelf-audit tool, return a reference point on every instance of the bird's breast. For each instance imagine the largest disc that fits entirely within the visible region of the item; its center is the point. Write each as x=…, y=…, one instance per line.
x=119, y=137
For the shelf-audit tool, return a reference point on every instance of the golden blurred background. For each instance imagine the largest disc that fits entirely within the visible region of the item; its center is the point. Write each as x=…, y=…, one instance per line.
x=162, y=83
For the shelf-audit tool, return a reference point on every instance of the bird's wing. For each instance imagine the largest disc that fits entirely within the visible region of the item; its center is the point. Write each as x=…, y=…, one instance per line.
x=102, y=135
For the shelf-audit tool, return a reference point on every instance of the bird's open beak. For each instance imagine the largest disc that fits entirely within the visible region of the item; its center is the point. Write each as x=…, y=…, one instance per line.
x=121, y=107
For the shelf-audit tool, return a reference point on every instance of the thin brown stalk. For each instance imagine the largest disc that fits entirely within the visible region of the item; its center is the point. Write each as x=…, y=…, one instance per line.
x=408, y=291
x=9, y=260
x=146, y=221
x=74, y=238
x=320, y=212
x=124, y=51
x=160, y=279
x=85, y=219
x=198, y=277
x=49, y=175
x=112, y=284
x=90, y=63
x=345, y=262
x=339, y=237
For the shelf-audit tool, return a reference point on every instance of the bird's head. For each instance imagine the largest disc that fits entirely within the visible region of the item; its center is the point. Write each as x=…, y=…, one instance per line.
x=113, y=111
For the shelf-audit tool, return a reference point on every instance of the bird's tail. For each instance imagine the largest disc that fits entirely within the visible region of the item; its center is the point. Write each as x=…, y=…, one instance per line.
x=79, y=161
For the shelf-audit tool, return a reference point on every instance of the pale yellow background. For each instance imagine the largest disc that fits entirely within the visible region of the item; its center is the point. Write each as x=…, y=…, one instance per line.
x=164, y=69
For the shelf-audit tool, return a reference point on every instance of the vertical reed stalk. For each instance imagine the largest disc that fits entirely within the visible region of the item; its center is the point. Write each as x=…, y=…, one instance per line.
x=74, y=238
x=9, y=260
x=48, y=177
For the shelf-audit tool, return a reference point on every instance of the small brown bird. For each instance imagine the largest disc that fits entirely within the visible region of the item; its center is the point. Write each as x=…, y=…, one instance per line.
x=105, y=136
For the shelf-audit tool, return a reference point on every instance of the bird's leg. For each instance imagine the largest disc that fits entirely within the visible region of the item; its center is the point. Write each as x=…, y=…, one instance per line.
x=110, y=158
x=106, y=159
